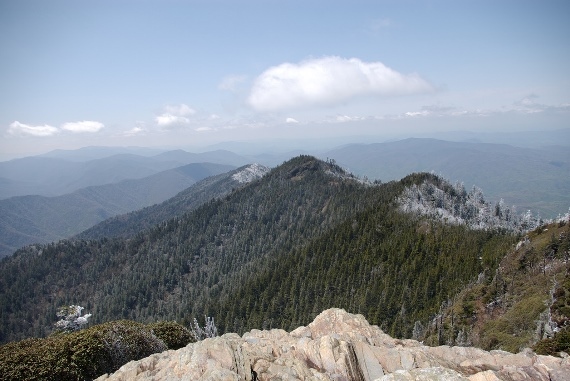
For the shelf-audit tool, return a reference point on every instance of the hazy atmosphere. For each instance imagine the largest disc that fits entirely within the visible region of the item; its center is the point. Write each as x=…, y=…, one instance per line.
x=283, y=189
x=192, y=74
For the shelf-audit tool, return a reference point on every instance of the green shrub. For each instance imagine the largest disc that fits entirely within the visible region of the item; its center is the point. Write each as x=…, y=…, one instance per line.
x=37, y=359
x=174, y=335
x=513, y=331
x=553, y=346
x=124, y=341
x=87, y=354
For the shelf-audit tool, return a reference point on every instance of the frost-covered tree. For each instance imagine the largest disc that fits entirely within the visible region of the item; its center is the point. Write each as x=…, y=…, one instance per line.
x=563, y=219
x=462, y=339
x=452, y=204
x=418, y=331
x=208, y=331
x=71, y=318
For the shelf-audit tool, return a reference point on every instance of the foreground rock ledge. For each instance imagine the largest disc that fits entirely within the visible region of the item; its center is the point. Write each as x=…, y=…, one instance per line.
x=337, y=346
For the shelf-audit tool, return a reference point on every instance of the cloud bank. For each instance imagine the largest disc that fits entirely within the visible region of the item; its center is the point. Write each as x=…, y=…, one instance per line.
x=232, y=82
x=175, y=116
x=133, y=131
x=83, y=126
x=17, y=128
x=328, y=81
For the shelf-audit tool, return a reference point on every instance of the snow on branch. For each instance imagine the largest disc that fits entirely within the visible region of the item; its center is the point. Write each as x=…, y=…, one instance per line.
x=71, y=318
x=564, y=218
x=454, y=205
x=208, y=331
x=250, y=173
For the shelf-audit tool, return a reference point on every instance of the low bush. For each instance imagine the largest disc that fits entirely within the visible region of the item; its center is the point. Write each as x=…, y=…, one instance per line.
x=87, y=354
x=174, y=335
x=560, y=342
x=515, y=329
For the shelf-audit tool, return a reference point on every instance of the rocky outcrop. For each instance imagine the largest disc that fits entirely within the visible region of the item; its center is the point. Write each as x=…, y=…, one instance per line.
x=337, y=346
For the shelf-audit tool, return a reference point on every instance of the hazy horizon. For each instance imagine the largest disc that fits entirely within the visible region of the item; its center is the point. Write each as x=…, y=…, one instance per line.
x=315, y=146
x=200, y=73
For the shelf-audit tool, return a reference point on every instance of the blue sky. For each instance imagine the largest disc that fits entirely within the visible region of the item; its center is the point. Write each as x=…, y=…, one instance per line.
x=194, y=73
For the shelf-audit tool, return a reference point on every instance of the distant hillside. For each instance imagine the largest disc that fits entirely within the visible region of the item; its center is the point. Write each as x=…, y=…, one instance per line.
x=272, y=253
x=210, y=188
x=62, y=172
x=527, y=178
x=37, y=219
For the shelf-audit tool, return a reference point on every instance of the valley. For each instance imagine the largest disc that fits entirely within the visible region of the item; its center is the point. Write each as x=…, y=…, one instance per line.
x=40, y=219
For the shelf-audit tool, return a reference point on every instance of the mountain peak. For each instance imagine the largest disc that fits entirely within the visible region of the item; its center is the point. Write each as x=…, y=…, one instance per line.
x=250, y=173
x=302, y=165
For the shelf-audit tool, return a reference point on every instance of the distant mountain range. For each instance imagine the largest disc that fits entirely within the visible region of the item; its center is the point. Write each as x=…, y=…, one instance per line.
x=62, y=172
x=528, y=178
x=537, y=179
x=39, y=219
x=99, y=152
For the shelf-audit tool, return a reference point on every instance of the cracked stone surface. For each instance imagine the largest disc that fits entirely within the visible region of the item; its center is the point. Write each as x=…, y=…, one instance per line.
x=337, y=346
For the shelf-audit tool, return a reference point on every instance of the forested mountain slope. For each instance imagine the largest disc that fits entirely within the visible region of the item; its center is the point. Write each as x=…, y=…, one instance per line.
x=210, y=188
x=171, y=271
x=304, y=237
x=536, y=179
x=38, y=219
x=390, y=266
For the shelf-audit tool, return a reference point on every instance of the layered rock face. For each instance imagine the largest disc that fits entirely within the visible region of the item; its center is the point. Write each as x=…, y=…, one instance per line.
x=336, y=346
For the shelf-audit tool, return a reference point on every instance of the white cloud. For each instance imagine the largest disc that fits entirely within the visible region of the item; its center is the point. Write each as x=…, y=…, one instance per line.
x=175, y=115
x=523, y=106
x=528, y=101
x=328, y=81
x=291, y=120
x=232, y=82
x=438, y=109
x=83, y=126
x=529, y=105
x=180, y=110
x=203, y=129
x=167, y=120
x=17, y=128
x=380, y=24
x=347, y=118
x=133, y=131
x=418, y=113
